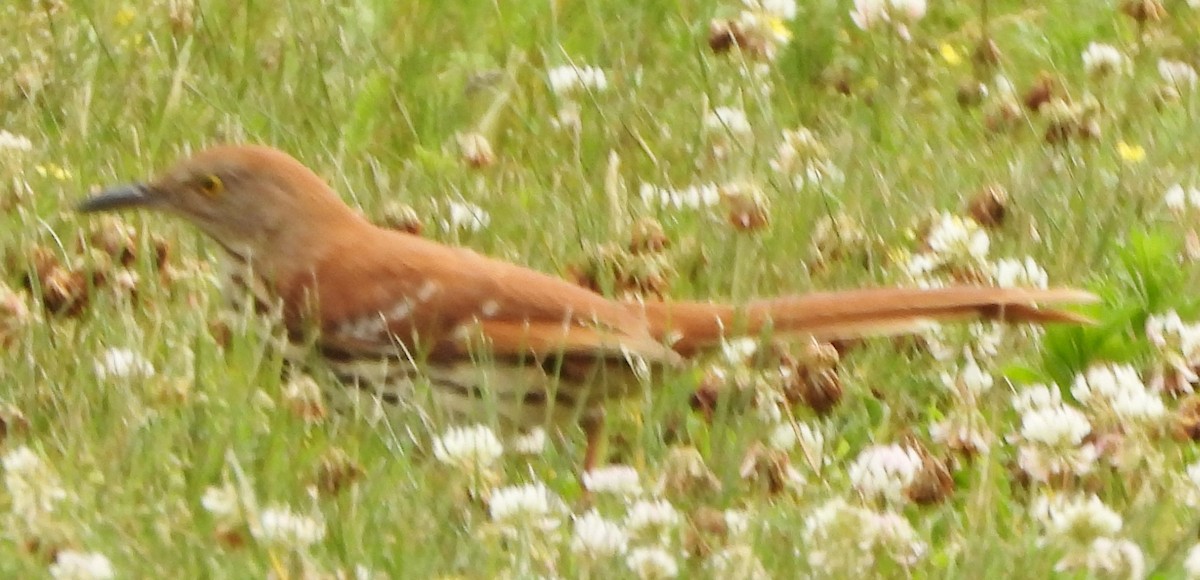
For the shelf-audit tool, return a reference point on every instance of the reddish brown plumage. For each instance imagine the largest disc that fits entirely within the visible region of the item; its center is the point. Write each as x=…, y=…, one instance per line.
x=855, y=313
x=375, y=292
x=375, y=269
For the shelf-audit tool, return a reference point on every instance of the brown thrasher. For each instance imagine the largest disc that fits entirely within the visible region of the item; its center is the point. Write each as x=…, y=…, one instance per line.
x=489, y=336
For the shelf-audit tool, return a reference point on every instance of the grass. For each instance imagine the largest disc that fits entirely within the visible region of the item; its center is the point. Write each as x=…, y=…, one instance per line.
x=372, y=94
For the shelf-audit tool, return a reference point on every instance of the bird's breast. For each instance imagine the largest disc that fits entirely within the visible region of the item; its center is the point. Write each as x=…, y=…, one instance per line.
x=245, y=290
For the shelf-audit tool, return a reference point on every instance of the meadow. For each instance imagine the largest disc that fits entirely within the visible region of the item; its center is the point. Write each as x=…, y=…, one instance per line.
x=711, y=149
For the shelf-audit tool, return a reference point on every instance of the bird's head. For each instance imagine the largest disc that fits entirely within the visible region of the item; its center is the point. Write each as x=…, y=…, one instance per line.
x=247, y=198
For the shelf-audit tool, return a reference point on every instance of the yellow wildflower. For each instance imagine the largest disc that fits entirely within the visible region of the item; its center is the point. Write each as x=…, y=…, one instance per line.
x=124, y=16
x=1131, y=153
x=950, y=54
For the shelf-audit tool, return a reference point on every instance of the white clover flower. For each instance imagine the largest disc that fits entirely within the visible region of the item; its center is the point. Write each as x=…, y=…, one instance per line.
x=869, y=13
x=1004, y=87
x=1046, y=463
x=1056, y=426
x=1106, y=558
x=652, y=563
x=693, y=197
x=1036, y=397
x=802, y=158
x=12, y=142
x=897, y=538
x=920, y=265
x=468, y=448
x=907, y=10
x=1051, y=435
x=1119, y=389
x=123, y=363
x=530, y=505
x=280, y=526
x=1164, y=330
x=569, y=79
x=33, y=487
x=73, y=565
x=302, y=390
x=21, y=460
x=1084, y=526
x=838, y=537
x=360, y=572
x=739, y=351
x=951, y=243
x=651, y=515
x=531, y=443
x=1168, y=332
x=970, y=381
x=1076, y=518
x=596, y=537
x=845, y=540
x=731, y=120
x=1191, y=565
x=1175, y=198
x=977, y=340
x=1009, y=273
x=1184, y=486
x=1178, y=346
x=785, y=435
x=465, y=216
x=614, y=479
x=782, y=9
x=1101, y=59
x=1178, y=74
x=884, y=470
x=816, y=172
x=973, y=378
x=736, y=562
x=1193, y=473
x=568, y=117
x=955, y=236
x=223, y=503
x=770, y=404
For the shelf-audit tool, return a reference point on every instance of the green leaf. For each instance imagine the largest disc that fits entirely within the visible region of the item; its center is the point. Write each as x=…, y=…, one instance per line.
x=1023, y=374
x=875, y=410
x=1145, y=281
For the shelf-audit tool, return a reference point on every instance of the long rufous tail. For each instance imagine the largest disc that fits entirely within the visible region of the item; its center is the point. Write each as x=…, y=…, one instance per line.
x=689, y=327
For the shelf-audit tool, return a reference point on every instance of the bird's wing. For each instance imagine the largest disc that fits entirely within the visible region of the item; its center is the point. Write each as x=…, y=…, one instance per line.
x=416, y=294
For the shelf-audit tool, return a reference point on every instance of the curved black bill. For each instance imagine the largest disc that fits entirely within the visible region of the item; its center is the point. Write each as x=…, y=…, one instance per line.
x=133, y=195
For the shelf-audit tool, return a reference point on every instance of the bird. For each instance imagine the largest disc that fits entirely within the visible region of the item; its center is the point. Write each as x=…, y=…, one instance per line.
x=386, y=310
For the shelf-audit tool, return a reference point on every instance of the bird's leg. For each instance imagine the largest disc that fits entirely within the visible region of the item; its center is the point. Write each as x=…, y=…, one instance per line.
x=592, y=423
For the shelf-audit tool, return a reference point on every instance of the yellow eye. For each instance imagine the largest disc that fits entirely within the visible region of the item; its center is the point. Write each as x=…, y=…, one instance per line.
x=211, y=185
